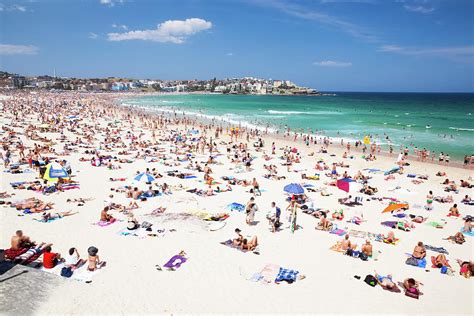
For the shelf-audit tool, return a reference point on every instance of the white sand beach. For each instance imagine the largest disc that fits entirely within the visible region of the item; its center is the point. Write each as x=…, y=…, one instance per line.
x=216, y=278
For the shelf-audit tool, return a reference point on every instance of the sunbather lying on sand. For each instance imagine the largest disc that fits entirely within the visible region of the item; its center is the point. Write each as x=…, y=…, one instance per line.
x=458, y=238
x=467, y=268
x=47, y=216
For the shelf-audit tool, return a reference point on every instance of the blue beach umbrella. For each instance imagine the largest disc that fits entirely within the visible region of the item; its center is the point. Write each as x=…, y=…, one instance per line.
x=294, y=188
x=144, y=178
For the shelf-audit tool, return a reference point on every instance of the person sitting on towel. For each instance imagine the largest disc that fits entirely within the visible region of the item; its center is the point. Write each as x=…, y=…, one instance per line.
x=238, y=241
x=419, y=252
x=453, y=211
x=50, y=259
x=20, y=241
x=249, y=245
x=346, y=244
x=367, y=248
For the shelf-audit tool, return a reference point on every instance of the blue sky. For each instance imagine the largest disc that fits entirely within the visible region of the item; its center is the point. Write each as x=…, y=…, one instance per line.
x=329, y=45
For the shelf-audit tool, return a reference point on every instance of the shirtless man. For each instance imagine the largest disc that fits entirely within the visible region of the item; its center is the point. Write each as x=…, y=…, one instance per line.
x=346, y=243
x=453, y=211
x=106, y=217
x=419, y=252
x=20, y=241
x=367, y=248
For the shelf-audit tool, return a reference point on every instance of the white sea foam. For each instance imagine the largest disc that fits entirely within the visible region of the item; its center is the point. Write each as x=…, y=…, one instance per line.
x=462, y=129
x=304, y=112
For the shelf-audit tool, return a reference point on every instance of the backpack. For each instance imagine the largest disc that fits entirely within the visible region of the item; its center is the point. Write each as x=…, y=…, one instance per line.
x=370, y=280
x=66, y=272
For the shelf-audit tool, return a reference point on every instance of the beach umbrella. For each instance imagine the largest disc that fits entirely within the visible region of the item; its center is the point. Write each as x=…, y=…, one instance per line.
x=393, y=170
x=367, y=140
x=54, y=171
x=294, y=188
x=395, y=207
x=144, y=178
x=344, y=184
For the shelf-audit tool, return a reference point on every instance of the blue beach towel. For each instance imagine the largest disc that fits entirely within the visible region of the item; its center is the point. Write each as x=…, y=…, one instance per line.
x=287, y=275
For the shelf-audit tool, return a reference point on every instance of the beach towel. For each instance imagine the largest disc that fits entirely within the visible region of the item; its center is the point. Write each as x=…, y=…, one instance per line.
x=420, y=263
x=358, y=233
x=229, y=243
x=467, y=233
x=337, y=247
x=338, y=231
x=103, y=224
x=175, y=262
x=391, y=224
x=48, y=221
x=287, y=275
x=11, y=254
x=435, y=224
x=437, y=249
x=236, y=207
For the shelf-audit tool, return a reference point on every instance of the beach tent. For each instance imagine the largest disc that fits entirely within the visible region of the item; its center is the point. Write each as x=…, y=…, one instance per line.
x=294, y=188
x=395, y=207
x=54, y=171
x=344, y=184
x=144, y=178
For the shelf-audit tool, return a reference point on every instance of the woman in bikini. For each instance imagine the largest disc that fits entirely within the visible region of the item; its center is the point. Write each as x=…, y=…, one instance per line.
x=419, y=252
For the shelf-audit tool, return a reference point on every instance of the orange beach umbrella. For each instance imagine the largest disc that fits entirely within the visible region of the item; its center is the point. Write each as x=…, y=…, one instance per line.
x=395, y=207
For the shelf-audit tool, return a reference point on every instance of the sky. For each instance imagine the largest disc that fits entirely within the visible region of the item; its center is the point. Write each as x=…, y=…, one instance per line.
x=328, y=45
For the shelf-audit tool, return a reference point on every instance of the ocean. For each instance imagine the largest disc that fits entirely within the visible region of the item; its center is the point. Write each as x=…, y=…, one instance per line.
x=436, y=121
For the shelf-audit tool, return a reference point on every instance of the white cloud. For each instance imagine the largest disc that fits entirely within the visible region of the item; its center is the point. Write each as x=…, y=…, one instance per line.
x=110, y=3
x=463, y=54
x=172, y=31
x=12, y=8
x=120, y=26
x=459, y=50
x=7, y=49
x=332, y=63
x=306, y=13
x=93, y=35
x=418, y=8
x=349, y=1
x=230, y=54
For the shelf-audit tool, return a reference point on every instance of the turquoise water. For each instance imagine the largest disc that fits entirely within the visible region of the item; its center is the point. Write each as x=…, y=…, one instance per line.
x=404, y=117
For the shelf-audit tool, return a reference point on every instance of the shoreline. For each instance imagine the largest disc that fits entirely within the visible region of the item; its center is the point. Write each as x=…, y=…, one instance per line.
x=335, y=141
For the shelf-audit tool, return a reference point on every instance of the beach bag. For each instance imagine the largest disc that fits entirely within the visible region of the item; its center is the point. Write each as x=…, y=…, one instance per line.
x=412, y=261
x=66, y=272
x=370, y=280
